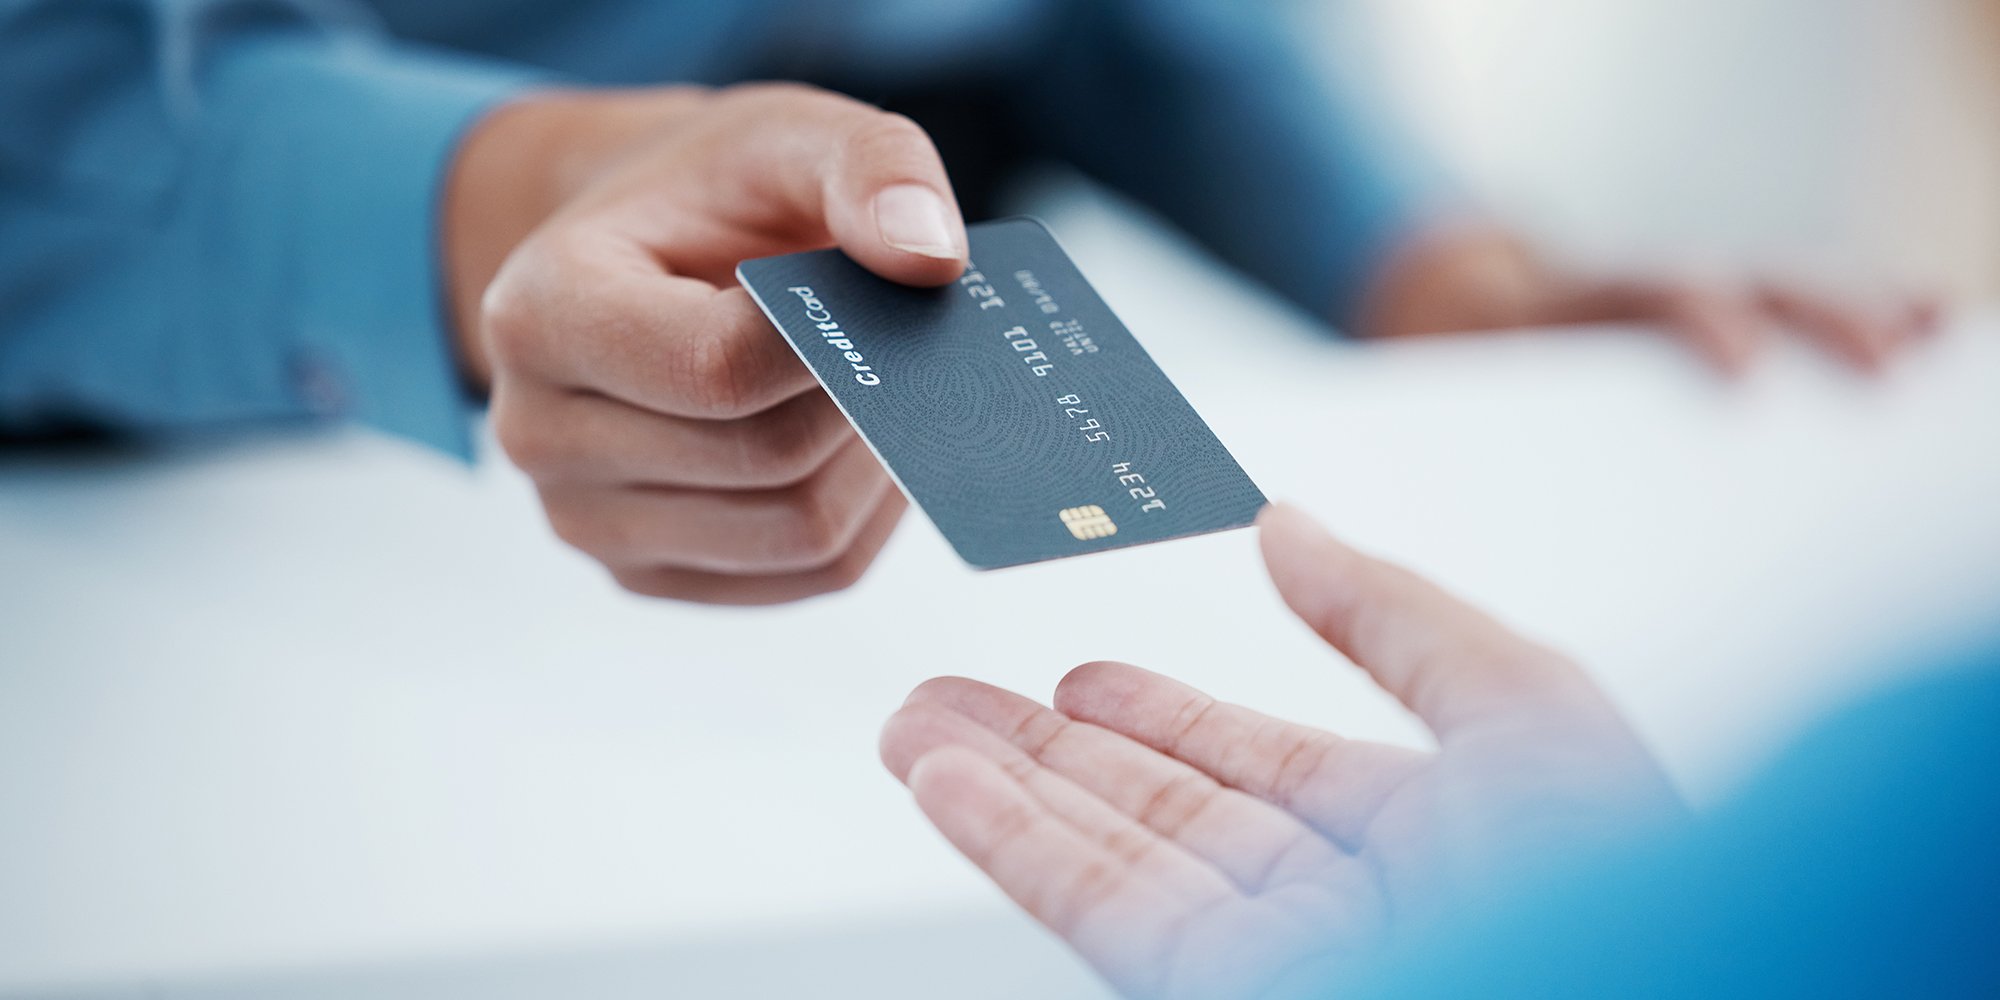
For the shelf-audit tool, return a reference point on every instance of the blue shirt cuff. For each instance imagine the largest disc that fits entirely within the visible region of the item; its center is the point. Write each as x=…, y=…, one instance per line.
x=340, y=154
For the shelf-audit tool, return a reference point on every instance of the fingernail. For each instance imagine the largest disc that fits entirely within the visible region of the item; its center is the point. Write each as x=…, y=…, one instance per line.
x=914, y=218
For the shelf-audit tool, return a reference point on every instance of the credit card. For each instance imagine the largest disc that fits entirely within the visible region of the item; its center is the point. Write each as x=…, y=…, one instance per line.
x=1011, y=405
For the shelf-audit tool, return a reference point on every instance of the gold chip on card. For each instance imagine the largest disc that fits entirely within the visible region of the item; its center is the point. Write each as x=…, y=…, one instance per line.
x=1088, y=522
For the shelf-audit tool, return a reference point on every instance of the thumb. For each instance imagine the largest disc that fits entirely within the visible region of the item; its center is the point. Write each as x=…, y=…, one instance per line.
x=869, y=180
x=1445, y=660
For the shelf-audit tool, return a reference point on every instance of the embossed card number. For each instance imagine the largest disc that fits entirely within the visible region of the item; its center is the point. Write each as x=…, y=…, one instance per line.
x=1012, y=406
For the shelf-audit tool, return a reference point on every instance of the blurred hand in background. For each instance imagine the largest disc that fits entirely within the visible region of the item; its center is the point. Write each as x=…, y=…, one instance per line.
x=1189, y=848
x=1473, y=276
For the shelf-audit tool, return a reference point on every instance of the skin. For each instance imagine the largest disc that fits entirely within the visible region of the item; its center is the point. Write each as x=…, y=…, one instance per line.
x=1471, y=276
x=589, y=240
x=671, y=433
x=1190, y=848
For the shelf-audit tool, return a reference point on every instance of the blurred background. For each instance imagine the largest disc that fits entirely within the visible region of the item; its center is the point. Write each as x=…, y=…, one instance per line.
x=1852, y=137
x=331, y=716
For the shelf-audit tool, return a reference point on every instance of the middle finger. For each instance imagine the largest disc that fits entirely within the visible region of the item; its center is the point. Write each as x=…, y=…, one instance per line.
x=587, y=439
x=795, y=529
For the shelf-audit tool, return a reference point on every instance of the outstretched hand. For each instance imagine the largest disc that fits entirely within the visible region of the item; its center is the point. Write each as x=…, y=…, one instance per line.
x=1190, y=848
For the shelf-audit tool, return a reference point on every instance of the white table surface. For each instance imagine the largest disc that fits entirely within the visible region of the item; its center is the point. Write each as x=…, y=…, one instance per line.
x=296, y=712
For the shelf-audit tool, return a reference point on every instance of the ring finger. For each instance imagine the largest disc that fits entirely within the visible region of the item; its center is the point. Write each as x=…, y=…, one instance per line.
x=797, y=528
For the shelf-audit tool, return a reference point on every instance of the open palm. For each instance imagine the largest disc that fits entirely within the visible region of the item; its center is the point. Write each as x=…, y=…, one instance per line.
x=1190, y=848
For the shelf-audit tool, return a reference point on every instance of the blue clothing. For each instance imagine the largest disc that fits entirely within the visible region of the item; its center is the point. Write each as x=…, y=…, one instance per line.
x=222, y=212
x=1864, y=863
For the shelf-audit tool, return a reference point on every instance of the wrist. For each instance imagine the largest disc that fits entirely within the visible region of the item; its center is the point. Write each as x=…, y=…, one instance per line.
x=515, y=168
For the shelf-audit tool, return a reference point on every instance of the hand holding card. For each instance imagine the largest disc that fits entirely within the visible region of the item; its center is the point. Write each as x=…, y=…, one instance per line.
x=671, y=435
x=1011, y=405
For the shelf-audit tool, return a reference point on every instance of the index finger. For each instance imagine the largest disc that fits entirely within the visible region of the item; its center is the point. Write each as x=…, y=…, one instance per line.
x=786, y=158
x=602, y=317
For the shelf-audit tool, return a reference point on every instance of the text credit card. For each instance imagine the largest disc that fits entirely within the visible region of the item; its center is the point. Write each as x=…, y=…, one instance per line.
x=1011, y=406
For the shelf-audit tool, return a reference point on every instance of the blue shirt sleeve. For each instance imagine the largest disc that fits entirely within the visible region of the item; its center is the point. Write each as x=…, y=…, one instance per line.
x=1862, y=864
x=1209, y=113
x=217, y=213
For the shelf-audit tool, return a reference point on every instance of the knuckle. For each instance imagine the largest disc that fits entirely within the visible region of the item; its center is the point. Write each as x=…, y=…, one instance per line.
x=883, y=135
x=532, y=301
x=597, y=536
x=506, y=319
x=528, y=442
x=890, y=128
x=784, y=102
x=717, y=374
x=782, y=449
x=814, y=533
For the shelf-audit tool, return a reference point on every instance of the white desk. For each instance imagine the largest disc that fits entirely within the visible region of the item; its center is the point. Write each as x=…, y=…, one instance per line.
x=339, y=704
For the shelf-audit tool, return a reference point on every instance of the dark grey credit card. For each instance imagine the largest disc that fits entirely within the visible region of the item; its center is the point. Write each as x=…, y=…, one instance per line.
x=1011, y=405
